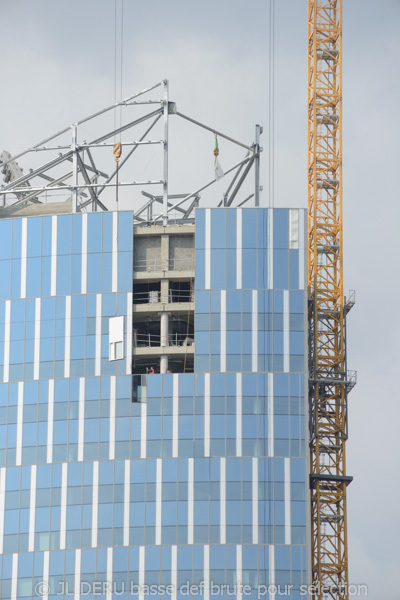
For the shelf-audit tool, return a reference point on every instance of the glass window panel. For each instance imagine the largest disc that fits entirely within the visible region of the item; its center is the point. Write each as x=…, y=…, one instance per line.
x=281, y=228
x=218, y=228
x=293, y=269
x=107, y=232
x=106, y=271
x=33, y=278
x=200, y=227
x=63, y=274
x=218, y=269
x=281, y=269
x=93, y=272
x=16, y=278
x=64, y=234
x=94, y=232
x=16, y=238
x=230, y=268
x=249, y=228
x=199, y=269
x=46, y=274
x=125, y=272
x=125, y=232
x=5, y=238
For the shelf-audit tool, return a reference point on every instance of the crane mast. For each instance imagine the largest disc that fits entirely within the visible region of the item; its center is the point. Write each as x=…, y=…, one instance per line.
x=328, y=384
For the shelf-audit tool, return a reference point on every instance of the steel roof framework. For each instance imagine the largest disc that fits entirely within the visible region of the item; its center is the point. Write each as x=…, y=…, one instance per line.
x=74, y=168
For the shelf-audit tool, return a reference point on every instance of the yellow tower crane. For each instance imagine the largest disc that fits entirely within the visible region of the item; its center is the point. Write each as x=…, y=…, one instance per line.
x=328, y=382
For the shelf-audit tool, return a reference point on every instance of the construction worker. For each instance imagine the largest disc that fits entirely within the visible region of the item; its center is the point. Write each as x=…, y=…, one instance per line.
x=151, y=371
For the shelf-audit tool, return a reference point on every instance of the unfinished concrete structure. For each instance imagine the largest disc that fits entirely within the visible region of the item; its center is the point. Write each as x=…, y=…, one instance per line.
x=163, y=299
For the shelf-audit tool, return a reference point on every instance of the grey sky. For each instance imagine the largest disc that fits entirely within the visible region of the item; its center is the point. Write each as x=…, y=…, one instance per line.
x=58, y=66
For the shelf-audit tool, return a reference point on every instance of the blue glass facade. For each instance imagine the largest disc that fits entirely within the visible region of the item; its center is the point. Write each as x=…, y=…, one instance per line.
x=203, y=481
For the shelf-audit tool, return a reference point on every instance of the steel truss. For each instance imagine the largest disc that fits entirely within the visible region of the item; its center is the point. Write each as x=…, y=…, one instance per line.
x=329, y=381
x=76, y=170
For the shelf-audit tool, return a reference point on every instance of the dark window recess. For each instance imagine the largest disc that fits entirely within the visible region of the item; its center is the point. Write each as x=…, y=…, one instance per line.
x=178, y=364
x=146, y=293
x=146, y=333
x=180, y=291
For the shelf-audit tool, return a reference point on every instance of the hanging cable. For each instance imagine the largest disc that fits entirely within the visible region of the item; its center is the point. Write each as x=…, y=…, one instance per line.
x=271, y=78
x=117, y=155
x=121, y=65
x=115, y=63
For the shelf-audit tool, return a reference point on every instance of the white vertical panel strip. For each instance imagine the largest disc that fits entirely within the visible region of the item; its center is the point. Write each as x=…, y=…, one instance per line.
x=77, y=575
x=127, y=500
x=14, y=576
x=142, y=571
x=271, y=570
x=206, y=573
x=302, y=253
x=95, y=502
x=50, y=421
x=63, y=508
x=24, y=246
x=174, y=571
x=32, y=510
x=222, y=500
x=207, y=410
x=98, y=336
x=270, y=414
x=239, y=571
x=254, y=331
x=287, y=498
x=223, y=331
x=20, y=422
x=81, y=419
x=143, y=430
x=36, y=348
x=270, y=244
x=7, y=330
x=129, y=333
x=286, y=332
x=84, y=250
x=293, y=228
x=190, y=500
x=114, y=276
x=67, y=339
x=207, y=253
x=158, y=501
x=53, y=267
x=113, y=395
x=239, y=244
x=254, y=499
x=109, y=579
x=46, y=570
x=175, y=415
x=2, y=505
x=239, y=411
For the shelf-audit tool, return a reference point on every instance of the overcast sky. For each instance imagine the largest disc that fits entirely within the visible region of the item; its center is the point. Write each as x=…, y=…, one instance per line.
x=57, y=66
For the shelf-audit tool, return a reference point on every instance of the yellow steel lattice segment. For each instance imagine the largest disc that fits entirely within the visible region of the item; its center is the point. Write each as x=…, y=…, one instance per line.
x=328, y=397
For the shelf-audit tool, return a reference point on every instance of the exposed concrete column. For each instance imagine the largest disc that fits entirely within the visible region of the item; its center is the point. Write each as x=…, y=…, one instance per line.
x=164, y=341
x=165, y=268
x=165, y=252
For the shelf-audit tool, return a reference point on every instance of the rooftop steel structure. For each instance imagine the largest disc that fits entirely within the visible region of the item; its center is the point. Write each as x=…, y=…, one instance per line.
x=80, y=173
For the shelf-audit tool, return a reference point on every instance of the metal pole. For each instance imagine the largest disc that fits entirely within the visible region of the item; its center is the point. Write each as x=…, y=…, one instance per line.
x=75, y=166
x=257, y=166
x=165, y=186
